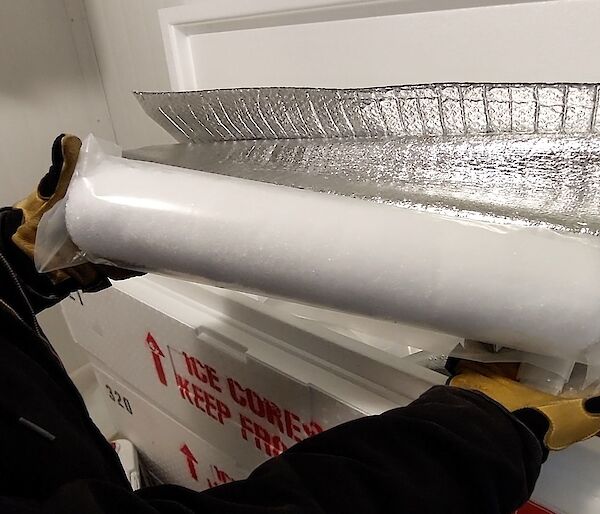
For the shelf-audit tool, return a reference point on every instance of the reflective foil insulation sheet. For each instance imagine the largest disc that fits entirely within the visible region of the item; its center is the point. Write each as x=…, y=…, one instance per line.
x=425, y=110
x=524, y=180
x=519, y=154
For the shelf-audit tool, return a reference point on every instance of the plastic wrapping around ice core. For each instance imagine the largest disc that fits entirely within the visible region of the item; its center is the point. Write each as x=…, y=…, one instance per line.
x=530, y=288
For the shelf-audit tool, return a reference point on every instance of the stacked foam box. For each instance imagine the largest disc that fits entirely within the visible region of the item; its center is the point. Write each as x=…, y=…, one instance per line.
x=209, y=383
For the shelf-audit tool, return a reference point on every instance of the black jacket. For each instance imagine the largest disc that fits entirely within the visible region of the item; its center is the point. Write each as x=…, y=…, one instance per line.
x=450, y=451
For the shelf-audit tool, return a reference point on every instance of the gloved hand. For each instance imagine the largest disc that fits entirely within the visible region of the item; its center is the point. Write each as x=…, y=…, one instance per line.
x=51, y=189
x=558, y=421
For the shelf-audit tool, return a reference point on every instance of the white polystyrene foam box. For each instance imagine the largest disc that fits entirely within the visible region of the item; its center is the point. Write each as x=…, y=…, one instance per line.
x=235, y=391
x=376, y=352
x=114, y=326
x=171, y=452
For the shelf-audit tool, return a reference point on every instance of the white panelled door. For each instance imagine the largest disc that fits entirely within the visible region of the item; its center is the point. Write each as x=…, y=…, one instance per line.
x=357, y=44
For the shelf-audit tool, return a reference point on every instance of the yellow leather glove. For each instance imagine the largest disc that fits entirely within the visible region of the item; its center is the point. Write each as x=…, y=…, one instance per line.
x=51, y=189
x=569, y=420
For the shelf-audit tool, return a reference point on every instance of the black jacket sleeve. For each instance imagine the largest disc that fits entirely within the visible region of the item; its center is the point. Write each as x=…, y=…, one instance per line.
x=450, y=451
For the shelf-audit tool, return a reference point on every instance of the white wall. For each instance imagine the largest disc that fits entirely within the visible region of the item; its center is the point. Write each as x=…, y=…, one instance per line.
x=47, y=86
x=49, y=83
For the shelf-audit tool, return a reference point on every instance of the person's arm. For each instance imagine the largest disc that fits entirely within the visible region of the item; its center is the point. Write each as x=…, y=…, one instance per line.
x=450, y=451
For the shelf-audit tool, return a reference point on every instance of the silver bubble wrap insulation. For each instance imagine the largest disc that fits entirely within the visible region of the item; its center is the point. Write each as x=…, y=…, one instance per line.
x=427, y=110
x=526, y=154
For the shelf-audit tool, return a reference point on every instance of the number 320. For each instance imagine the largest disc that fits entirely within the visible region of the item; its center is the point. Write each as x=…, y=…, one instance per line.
x=119, y=399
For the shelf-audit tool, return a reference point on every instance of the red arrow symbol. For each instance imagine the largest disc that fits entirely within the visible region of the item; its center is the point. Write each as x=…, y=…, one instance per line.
x=157, y=356
x=191, y=461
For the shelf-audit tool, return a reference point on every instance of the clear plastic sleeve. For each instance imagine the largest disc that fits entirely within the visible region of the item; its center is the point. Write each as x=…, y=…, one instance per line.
x=530, y=288
x=54, y=248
